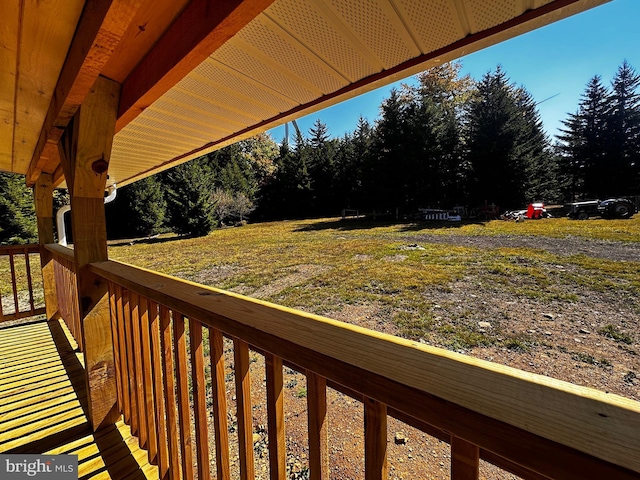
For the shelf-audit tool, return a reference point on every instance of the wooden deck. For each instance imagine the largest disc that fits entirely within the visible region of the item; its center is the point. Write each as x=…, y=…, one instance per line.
x=43, y=402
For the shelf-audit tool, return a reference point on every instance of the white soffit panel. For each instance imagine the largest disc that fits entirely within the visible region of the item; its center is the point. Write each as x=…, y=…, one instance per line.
x=318, y=32
x=295, y=53
x=434, y=24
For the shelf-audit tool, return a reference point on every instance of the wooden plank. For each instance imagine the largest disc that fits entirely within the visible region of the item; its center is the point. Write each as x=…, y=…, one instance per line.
x=11, y=13
x=151, y=21
x=36, y=417
x=113, y=309
x=442, y=388
x=46, y=32
x=216, y=351
x=200, y=410
x=158, y=391
x=375, y=440
x=169, y=383
x=131, y=364
x=180, y=352
x=43, y=195
x=275, y=417
x=465, y=460
x=43, y=386
x=134, y=301
x=243, y=414
x=99, y=31
x=200, y=30
x=124, y=368
x=317, y=424
x=16, y=407
x=147, y=379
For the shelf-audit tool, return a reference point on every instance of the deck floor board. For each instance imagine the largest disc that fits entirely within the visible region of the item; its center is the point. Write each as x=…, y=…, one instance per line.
x=43, y=404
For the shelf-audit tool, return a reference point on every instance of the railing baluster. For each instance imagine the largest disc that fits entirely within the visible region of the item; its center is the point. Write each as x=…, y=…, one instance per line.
x=134, y=299
x=1, y=310
x=199, y=398
x=216, y=350
x=275, y=417
x=14, y=283
x=158, y=392
x=117, y=349
x=180, y=347
x=243, y=402
x=131, y=364
x=317, y=419
x=17, y=285
x=375, y=440
x=168, y=378
x=147, y=380
x=124, y=377
x=465, y=459
x=27, y=266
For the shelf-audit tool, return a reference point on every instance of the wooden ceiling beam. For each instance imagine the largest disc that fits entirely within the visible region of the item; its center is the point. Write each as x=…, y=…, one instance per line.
x=102, y=25
x=200, y=30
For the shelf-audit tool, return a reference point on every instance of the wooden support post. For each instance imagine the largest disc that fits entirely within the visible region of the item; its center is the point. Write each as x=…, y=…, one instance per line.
x=85, y=149
x=43, y=194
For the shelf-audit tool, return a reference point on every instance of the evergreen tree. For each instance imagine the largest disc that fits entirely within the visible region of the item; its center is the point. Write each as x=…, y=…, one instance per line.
x=583, y=142
x=142, y=206
x=17, y=211
x=319, y=156
x=189, y=189
x=506, y=146
x=439, y=99
x=287, y=192
x=622, y=139
x=389, y=165
x=540, y=164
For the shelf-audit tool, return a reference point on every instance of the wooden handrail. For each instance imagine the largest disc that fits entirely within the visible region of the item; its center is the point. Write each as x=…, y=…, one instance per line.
x=67, y=289
x=544, y=425
x=16, y=270
x=61, y=251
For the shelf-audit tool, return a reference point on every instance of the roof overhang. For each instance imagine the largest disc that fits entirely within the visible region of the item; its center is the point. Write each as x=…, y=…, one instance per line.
x=199, y=75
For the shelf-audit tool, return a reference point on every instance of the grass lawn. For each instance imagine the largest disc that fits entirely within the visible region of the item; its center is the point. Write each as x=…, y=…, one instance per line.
x=536, y=294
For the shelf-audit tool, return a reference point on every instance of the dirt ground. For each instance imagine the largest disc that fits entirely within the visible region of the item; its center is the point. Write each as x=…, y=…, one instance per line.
x=563, y=340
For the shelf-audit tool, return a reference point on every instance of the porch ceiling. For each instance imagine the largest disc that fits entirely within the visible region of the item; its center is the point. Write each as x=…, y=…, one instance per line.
x=199, y=75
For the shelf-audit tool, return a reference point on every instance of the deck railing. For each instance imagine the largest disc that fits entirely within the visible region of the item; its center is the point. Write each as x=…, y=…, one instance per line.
x=64, y=272
x=21, y=293
x=534, y=426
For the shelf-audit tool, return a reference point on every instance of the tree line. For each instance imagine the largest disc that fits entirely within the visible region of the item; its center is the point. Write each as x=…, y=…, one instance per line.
x=446, y=140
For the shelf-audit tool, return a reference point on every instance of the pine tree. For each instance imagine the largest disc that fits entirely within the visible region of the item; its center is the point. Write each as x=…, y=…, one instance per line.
x=540, y=165
x=145, y=206
x=17, y=211
x=189, y=189
x=492, y=134
x=506, y=146
x=622, y=140
x=583, y=142
x=389, y=164
x=320, y=159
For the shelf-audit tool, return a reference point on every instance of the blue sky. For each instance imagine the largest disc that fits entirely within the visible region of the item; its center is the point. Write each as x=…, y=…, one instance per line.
x=557, y=59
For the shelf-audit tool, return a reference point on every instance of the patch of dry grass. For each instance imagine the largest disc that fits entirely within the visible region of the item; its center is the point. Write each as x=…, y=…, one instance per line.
x=361, y=263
